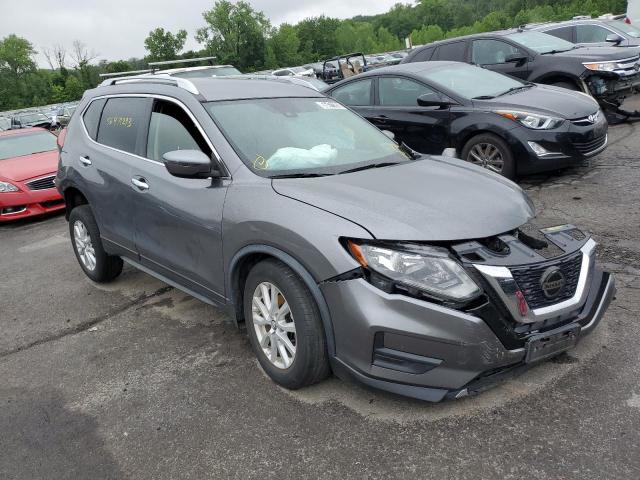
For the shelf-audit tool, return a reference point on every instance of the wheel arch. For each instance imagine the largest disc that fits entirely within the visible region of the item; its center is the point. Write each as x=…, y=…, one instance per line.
x=551, y=78
x=250, y=255
x=73, y=197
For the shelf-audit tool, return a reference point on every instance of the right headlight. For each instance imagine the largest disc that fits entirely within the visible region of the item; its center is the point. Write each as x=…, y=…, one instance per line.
x=425, y=268
x=535, y=121
x=8, y=187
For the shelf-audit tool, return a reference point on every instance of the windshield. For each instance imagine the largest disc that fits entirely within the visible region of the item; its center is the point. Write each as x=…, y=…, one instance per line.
x=471, y=82
x=208, y=72
x=301, y=135
x=626, y=28
x=21, y=145
x=541, y=42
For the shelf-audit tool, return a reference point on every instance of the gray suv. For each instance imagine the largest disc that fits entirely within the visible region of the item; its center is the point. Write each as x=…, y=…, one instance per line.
x=334, y=247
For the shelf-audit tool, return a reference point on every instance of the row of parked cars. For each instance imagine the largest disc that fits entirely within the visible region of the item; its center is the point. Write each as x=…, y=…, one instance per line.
x=53, y=118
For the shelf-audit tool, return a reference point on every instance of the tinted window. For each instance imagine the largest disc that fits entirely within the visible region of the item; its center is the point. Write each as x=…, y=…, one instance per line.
x=394, y=91
x=591, y=34
x=171, y=129
x=565, y=33
x=356, y=93
x=488, y=52
x=451, y=51
x=123, y=123
x=423, y=55
x=91, y=117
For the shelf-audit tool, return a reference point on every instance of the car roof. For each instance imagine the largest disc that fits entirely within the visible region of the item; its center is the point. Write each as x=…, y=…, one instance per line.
x=22, y=131
x=414, y=68
x=211, y=89
x=575, y=21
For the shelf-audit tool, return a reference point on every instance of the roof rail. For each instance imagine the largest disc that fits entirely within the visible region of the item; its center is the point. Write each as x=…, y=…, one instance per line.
x=159, y=78
x=183, y=60
x=128, y=72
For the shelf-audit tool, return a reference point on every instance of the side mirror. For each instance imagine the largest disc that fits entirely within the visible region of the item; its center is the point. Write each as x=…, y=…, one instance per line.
x=613, y=38
x=189, y=164
x=389, y=134
x=430, y=100
x=517, y=58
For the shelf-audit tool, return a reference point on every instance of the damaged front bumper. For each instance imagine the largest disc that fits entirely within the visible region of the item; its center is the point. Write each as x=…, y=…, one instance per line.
x=612, y=87
x=423, y=350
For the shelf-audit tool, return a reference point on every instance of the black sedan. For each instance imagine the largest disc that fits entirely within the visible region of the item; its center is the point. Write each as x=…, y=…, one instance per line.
x=504, y=124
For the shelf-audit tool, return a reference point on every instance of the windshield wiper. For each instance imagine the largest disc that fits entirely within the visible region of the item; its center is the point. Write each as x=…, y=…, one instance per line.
x=552, y=52
x=301, y=175
x=483, y=97
x=367, y=167
x=514, y=89
x=406, y=149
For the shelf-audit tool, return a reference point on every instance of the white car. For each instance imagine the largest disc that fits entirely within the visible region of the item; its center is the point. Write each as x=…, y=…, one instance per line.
x=294, y=72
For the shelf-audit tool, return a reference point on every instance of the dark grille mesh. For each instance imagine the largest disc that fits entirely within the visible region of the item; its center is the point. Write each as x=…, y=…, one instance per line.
x=528, y=279
x=41, y=183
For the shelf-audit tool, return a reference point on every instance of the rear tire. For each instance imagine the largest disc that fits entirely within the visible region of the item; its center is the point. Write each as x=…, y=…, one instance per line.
x=271, y=289
x=491, y=152
x=87, y=245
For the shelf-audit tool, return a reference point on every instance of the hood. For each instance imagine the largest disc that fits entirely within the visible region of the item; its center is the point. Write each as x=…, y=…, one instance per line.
x=433, y=199
x=595, y=54
x=545, y=99
x=20, y=169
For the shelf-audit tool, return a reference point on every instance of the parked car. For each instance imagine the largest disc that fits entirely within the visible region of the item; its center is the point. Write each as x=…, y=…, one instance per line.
x=310, y=82
x=63, y=115
x=201, y=72
x=5, y=123
x=593, y=32
x=343, y=66
x=496, y=121
x=28, y=164
x=333, y=247
x=31, y=119
x=294, y=72
x=608, y=74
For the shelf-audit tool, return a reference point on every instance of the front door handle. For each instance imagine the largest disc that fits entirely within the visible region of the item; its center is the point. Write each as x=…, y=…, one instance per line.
x=85, y=161
x=140, y=183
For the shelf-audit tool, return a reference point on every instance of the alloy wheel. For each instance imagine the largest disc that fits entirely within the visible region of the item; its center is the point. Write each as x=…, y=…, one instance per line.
x=274, y=325
x=486, y=155
x=83, y=244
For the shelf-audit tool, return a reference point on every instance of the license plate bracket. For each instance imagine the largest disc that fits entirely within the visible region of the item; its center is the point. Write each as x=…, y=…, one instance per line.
x=545, y=345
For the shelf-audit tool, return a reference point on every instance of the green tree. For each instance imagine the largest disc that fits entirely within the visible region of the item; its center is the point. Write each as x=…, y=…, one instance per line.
x=164, y=45
x=427, y=34
x=284, y=44
x=235, y=34
x=16, y=55
x=73, y=88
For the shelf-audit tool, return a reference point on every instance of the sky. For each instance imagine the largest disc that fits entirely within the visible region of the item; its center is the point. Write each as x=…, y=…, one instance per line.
x=116, y=29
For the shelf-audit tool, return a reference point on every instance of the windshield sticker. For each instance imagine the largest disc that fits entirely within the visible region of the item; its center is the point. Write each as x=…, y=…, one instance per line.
x=260, y=163
x=330, y=106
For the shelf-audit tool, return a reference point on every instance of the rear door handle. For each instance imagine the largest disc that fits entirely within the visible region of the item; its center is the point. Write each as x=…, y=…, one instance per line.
x=140, y=183
x=85, y=161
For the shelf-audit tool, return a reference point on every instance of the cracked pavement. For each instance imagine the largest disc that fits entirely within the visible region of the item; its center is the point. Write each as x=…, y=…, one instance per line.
x=137, y=380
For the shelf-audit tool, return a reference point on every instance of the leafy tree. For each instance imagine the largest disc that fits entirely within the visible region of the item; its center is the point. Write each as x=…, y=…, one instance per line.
x=427, y=34
x=284, y=45
x=164, y=45
x=235, y=34
x=72, y=88
x=16, y=55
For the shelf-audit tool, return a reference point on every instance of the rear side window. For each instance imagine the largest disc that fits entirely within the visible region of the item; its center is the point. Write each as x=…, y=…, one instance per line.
x=455, y=51
x=423, y=55
x=123, y=124
x=565, y=33
x=172, y=129
x=355, y=94
x=91, y=117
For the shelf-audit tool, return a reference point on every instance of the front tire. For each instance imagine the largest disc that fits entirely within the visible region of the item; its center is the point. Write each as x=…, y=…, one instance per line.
x=87, y=245
x=284, y=326
x=491, y=152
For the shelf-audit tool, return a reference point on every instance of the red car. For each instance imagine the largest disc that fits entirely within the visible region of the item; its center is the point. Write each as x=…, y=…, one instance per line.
x=28, y=165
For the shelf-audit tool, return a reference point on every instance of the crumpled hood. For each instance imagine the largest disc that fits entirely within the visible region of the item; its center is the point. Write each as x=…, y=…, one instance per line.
x=433, y=199
x=29, y=166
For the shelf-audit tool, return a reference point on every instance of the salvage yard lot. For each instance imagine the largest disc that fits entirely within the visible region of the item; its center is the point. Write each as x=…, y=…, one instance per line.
x=136, y=379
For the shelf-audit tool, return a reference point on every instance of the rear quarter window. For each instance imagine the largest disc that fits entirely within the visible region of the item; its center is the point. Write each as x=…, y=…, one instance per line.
x=123, y=124
x=423, y=55
x=454, y=51
x=91, y=117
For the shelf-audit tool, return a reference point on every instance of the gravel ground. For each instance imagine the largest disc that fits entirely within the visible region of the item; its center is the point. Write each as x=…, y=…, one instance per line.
x=137, y=380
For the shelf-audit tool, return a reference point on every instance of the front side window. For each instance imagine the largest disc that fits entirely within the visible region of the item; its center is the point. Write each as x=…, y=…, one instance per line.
x=354, y=94
x=123, y=123
x=275, y=136
x=172, y=129
x=490, y=52
x=541, y=42
x=13, y=146
x=591, y=34
x=402, y=92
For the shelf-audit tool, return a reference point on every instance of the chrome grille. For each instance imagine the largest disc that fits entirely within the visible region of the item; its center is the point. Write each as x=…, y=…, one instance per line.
x=42, y=183
x=529, y=281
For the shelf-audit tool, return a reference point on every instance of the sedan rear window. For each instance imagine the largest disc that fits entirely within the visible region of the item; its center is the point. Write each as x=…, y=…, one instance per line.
x=311, y=135
x=22, y=145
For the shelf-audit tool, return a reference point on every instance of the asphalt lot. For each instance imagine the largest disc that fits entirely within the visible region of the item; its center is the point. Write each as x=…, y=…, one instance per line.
x=137, y=380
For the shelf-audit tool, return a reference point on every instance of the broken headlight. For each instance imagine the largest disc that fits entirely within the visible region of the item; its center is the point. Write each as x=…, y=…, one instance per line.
x=428, y=269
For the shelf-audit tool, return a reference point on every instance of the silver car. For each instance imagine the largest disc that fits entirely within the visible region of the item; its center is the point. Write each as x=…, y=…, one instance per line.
x=335, y=248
